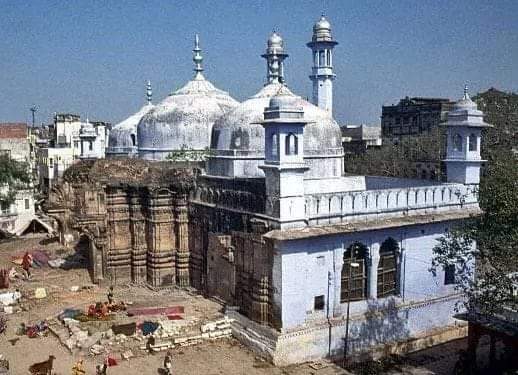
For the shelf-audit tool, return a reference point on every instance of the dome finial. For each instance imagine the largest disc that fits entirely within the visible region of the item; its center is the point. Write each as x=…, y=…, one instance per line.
x=149, y=93
x=197, y=58
x=466, y=95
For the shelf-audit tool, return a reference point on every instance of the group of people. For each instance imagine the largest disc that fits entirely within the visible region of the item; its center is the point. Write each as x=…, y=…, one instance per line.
x=79, y=367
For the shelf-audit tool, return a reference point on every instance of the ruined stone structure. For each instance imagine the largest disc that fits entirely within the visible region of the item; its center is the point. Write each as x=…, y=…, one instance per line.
x=134, y=215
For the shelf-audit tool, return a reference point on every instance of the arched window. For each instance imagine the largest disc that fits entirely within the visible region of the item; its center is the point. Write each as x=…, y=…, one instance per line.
x=457, y=142
x=472, y=142
x=292, y=146
x=354, y=273
x=133, y=140
x=329, y=57
x=275, y=145
x=321, y=58
x=387, y=268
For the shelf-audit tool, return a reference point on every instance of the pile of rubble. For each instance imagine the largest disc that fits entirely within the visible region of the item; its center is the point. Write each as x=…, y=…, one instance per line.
x=97, y=338
x=169, y=337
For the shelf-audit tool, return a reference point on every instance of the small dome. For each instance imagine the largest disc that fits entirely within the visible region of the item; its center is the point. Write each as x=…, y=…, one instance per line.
x=322, y=24
x=322, y=31
x=465, y=103
x=123, y=136
x=275, y=40
x=283, y=101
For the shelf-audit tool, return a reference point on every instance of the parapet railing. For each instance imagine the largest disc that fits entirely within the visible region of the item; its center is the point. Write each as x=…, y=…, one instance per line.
x=388, y=201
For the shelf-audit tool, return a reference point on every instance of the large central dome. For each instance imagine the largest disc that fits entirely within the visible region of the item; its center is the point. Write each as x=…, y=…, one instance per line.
x=184, y=120
x=237, y=142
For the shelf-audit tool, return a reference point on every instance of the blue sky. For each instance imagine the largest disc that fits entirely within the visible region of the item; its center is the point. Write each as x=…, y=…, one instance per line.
x=94, y=57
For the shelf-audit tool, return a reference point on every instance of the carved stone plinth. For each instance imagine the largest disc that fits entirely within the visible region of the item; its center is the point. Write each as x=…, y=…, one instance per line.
x=160, y=269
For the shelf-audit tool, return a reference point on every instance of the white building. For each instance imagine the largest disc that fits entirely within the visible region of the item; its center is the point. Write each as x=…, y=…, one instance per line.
x=72, y=140
x=14, y=142
x=93, y=137
x=52, y=162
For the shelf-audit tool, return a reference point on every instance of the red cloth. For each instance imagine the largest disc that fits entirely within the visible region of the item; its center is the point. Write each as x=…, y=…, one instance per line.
x=110, y=361
x=27, y=261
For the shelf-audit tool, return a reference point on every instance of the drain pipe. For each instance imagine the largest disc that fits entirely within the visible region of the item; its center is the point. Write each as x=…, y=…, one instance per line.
x=327, y=312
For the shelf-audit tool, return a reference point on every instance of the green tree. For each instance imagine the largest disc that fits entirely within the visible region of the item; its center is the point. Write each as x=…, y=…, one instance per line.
x=495, y=232
x=14, y=175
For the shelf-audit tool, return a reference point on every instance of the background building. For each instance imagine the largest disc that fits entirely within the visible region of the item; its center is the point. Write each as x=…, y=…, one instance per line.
x=14, y=142
x=412, y=116
x=356, y=139
x=67, y=140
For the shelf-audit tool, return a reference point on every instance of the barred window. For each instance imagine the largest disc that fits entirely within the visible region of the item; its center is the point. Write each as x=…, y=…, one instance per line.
x=354, y=279
x=387, y=268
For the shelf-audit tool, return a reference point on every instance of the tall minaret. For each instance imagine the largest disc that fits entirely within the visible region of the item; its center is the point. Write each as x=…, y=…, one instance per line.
x=149, y=93
x=322, y=75
x=197, y=58
x=275, y=59
x=463, y=129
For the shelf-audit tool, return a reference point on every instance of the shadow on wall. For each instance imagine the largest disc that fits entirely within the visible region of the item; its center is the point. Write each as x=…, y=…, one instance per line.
x=382, y=325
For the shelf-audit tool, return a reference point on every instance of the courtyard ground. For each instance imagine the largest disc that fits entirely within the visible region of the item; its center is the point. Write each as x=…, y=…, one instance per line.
x=209, y=357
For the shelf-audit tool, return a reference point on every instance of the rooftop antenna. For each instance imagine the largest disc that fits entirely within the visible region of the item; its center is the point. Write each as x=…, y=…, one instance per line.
x=34, y=109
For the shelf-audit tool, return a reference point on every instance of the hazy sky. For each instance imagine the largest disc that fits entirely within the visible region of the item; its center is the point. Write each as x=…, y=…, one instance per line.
x=94, y=57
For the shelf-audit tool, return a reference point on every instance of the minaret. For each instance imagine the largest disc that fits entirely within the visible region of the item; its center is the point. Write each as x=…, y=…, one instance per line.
x=149, y=93
x=463, y=130
x=284, y=165
x=275, y=59
x=198, y=59
x=322, y=75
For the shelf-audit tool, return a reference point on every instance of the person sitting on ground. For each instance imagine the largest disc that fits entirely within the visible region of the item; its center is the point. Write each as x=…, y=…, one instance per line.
x=27, y=264
x=168, y=362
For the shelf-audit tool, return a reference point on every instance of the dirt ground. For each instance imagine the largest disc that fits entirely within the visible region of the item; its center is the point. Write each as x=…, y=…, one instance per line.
x=225, y=356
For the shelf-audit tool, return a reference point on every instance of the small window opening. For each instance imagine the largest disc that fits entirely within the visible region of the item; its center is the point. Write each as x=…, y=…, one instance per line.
x=320, y=302
x=472, y=142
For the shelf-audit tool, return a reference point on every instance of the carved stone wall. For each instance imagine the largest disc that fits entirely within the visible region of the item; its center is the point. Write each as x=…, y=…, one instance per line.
x=203, y=234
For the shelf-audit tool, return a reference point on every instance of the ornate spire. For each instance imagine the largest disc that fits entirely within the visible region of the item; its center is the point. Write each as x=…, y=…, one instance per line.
x=466, y=95
x=197, y=58
x=149, y=93
x=275, y=56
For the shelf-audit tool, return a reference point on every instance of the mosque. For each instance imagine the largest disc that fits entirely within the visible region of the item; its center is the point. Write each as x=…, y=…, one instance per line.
x=306, y=259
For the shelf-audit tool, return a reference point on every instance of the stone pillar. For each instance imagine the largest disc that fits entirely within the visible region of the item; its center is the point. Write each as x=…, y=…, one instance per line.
x=161, y=240
x=118, y=257
x=182, y=240
x=138, y=239
x=372, y=279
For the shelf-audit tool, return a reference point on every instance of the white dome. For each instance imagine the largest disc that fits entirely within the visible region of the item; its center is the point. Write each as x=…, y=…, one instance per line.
x=240, y=131
x=183, y=120
x=123, y=136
